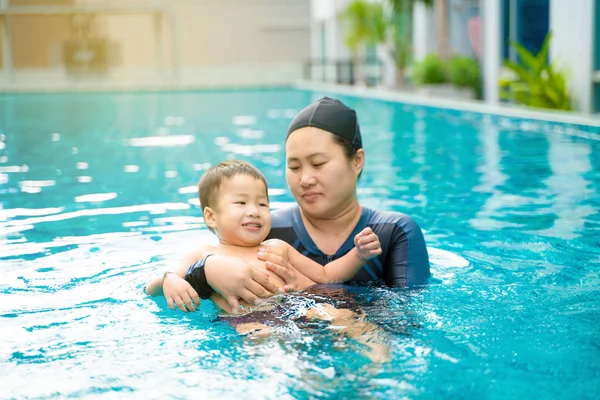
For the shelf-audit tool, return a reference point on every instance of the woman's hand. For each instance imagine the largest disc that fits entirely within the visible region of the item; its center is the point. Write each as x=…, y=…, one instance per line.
x=236, y=279
x=276, y=255
x=179, y=293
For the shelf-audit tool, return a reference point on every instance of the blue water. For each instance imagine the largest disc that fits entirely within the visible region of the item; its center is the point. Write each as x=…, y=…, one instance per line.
x=97, y=195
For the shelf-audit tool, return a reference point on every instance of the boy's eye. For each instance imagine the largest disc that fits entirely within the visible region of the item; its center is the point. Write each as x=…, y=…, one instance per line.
x=240, y=202
x=263, y=205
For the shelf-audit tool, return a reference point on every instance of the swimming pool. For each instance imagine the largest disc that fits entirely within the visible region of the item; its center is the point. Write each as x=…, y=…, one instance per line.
x=97, y=192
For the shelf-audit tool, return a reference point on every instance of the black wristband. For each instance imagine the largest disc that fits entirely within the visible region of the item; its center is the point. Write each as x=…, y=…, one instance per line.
x=196, y=277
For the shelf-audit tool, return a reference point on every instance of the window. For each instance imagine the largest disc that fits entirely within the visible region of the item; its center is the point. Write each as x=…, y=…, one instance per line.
x=596, y=74
x=597, y=36
x=525, y=21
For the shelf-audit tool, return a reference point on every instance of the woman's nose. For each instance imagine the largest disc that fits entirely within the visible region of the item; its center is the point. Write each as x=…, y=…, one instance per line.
x=307, y=180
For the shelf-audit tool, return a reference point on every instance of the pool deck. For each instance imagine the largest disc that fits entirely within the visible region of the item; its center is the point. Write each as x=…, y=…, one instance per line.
x=477, y=106
x=507, y=110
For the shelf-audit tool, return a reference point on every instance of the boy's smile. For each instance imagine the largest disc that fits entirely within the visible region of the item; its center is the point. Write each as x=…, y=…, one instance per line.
x=252, y=226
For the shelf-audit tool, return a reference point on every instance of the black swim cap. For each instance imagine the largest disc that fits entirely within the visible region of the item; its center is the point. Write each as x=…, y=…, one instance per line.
x=331, y=115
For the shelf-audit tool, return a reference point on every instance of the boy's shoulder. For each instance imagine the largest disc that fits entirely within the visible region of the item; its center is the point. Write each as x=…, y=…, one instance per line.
x=202, y=252
x=207, y=249
x=231, y=251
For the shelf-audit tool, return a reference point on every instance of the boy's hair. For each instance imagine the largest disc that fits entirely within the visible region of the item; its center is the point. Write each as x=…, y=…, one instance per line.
x=214, y=177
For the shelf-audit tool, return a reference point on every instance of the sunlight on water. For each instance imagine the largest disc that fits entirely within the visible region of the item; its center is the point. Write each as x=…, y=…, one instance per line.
x=98, y=194
x=161, y=141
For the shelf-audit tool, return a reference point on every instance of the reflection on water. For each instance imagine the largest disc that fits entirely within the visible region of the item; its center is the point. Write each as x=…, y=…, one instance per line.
x=98, y=192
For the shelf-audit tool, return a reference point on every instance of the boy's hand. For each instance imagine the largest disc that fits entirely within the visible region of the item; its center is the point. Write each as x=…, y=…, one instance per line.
x=367, y=244
x=280, y=246
x=179, y=293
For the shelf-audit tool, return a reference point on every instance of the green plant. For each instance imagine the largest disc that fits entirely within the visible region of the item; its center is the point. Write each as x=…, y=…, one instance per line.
x=401, y=33
x=404, y=4
x=465, y=72
x=365, y=24
x=430, y=71
x=537, y=83
x=371, y=23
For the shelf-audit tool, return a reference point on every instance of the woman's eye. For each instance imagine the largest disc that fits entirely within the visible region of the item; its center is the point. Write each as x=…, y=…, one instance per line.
x=293, y=168
x=318, y=165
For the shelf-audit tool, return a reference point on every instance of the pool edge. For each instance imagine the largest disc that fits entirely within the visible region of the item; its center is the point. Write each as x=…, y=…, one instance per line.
x=513, y=111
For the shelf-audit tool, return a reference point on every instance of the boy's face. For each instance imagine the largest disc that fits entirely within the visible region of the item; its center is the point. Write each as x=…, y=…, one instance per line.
x=242, y=216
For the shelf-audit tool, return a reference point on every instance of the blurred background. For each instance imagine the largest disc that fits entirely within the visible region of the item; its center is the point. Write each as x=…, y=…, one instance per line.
x=540, y=53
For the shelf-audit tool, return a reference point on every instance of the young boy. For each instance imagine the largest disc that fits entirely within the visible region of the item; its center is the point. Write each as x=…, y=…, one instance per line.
x=234, y=199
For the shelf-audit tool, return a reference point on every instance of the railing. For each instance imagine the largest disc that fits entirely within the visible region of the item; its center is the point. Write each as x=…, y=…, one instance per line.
x=344, y=71
x=42, y=4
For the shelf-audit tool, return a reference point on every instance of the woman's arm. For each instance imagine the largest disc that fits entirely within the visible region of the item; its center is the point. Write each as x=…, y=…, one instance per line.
x=407, y=263
x=236, y=279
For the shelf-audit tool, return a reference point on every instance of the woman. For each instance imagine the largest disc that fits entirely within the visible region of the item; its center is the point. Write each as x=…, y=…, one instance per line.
x=325, y=159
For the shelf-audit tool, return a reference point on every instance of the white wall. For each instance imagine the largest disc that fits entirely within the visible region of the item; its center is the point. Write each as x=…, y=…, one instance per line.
x=214, y=40
x=324, y=15
x=491, y=49
x=424, y=38
x=216, y=32
x=459, y=13
x=571, y=23
x=320, y=12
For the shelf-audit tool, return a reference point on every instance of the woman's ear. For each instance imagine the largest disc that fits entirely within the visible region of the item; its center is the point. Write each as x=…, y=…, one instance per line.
x=210, y=217
x=359, y=161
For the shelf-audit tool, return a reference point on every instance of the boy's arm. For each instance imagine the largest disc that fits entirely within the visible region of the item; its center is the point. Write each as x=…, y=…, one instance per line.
x=154, y=287
x=366, y=246
x=340, y=270
x=180, y=293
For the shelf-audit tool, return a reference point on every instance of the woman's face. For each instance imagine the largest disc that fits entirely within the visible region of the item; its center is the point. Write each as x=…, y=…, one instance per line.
x=321, y=178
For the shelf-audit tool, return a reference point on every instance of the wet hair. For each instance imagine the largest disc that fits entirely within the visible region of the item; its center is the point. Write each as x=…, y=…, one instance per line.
x=348, y=149
x=214, y=178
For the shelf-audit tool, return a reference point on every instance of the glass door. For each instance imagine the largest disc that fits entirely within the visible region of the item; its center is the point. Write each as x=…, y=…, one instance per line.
x=526, y=22
x=596, y=72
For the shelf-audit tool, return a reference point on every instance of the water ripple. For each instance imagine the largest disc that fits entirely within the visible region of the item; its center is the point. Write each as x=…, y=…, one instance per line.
x=510, y=209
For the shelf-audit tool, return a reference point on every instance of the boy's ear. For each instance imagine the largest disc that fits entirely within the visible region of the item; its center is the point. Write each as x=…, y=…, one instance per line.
x=209, y=217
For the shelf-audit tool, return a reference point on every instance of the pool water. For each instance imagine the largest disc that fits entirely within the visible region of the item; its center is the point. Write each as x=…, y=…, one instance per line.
x=97, y=195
